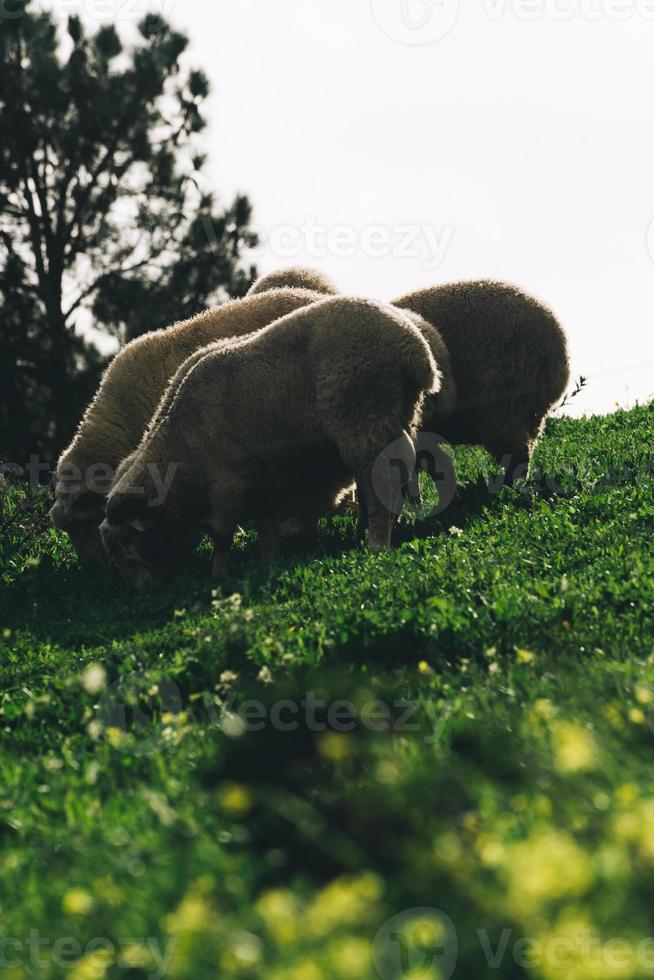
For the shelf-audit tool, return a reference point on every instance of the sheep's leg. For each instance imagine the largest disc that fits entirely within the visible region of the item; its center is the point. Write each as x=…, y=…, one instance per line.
x=292, y=528
x=302, y=531
x=268, y=528
x=362, y=522
x=515, y=463
x=382, y=458
x=318, y=499
x=380, y=517
x=414, y=494
x=383, y=479
x=305, y=511
x=227, y=495
x=222, y=543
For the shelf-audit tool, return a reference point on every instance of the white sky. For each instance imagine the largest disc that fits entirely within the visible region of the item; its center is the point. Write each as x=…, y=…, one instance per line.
x=521, y=143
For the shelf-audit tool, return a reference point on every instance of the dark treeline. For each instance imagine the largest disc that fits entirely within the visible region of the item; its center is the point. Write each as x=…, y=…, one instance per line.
x=107, y=226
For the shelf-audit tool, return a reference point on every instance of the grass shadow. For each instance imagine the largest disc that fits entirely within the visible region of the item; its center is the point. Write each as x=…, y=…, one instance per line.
x=44, y=601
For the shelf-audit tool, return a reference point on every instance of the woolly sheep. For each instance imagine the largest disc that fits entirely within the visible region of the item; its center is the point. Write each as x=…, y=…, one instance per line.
x=128, y=395
x=309, y=508
x=330, y=397
x=509, y=361
x=295, y=277
x=442, y=404
x=486, y=337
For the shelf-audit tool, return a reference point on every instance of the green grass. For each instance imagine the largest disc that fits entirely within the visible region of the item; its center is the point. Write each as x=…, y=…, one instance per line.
x=138, y=818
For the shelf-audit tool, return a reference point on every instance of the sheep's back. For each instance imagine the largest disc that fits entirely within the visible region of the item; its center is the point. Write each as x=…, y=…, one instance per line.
x=503, y=344
x=274, y=388
x=137, y=378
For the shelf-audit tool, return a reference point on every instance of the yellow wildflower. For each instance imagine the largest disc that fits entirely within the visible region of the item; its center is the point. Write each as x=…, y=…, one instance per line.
x=575, y=749
x=93, y=966
x=77, y=902
x=524, y=656
x=547, y=865
x=234, y=799
x=279, y=910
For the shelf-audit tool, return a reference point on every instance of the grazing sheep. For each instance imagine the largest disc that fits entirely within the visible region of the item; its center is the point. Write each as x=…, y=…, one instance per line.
x=509, y=361
x=315, y=397
x=128, y=395
x=295, y=277
x=310, y=507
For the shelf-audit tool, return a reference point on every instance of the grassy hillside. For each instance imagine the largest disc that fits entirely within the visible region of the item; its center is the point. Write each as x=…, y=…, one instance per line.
x=179, y=795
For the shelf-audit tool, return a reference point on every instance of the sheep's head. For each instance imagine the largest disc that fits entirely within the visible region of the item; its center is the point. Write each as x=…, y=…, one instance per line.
x=81, y=486
x=79, y=513
x=144, y=542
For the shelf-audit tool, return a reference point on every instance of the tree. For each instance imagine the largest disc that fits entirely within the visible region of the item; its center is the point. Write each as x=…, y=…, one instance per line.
x=105, y=219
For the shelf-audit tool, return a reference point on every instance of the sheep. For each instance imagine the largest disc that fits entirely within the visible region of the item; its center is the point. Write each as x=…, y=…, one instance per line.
x=509, y=362
x=312, y=400
x=485, y=335
x=128, y=395
x=295, y=277
x=309, y=507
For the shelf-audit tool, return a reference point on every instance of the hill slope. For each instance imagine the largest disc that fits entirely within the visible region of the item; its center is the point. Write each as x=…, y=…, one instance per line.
x=254, y=783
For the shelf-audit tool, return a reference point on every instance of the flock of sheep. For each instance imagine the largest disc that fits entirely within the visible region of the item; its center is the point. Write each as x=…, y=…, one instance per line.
x=269, y=408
